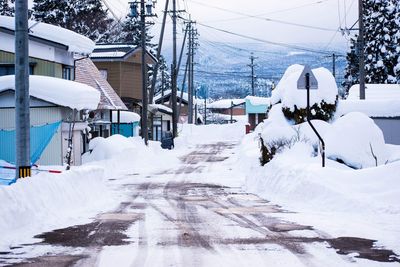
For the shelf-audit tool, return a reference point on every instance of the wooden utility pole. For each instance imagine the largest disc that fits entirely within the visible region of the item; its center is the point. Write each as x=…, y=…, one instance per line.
x=22, y=113
x=361, y=48
x=145, y=97
x=174, y=74
x=190, y=83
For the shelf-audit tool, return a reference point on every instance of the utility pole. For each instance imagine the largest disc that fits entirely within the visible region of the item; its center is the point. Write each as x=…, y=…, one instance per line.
x=361, y=48
x=190, y=88
x=334, y=65
x=174, y=73
x=22, y=113
x=145, y=11
x=251, y=65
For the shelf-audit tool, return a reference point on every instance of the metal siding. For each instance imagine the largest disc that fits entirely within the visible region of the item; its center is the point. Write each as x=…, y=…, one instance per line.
x=390, y=128
x=39, y=116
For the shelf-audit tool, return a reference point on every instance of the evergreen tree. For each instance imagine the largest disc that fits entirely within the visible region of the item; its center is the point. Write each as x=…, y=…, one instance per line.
x=7, y=8
x=381, y=47
x=86, y=17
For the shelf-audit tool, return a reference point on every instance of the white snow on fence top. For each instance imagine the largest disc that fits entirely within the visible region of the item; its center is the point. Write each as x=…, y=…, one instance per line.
x=225, y=103
x=287, y=92
x=57, y=91
x=381, y=100
x=125, y=117
x=75, y=42
x=258, y=101
x=376, y=92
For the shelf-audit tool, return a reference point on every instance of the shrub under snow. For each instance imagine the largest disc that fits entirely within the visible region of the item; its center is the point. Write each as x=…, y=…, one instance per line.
x=294, y=101
x=357, y=141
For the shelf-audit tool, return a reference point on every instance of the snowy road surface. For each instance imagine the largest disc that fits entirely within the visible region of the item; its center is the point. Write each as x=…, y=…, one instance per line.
x=186, y=217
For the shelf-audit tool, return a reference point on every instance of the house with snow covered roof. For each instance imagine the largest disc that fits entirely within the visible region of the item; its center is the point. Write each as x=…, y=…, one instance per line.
x=256, y=109
x=381, y=103
x=55, y=118
x=55, y=100
x=120, y=65
x=236, y=107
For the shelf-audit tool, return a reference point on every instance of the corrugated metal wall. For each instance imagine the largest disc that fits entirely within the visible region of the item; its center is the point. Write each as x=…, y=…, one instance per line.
x=39, y=116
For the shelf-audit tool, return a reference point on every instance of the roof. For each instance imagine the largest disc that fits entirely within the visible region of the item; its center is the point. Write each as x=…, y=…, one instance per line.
x=259, y=101
x=73, y=41
x=381, y=100
x=167, y=94
x=87, y=73
x=117, y=52
x=57, y=91
x=226, y=103
x=161, y=108
x=125, y=117
x=376, y=92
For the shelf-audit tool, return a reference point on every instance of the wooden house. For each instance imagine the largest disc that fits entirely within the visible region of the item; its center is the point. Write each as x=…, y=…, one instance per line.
x=256, y=110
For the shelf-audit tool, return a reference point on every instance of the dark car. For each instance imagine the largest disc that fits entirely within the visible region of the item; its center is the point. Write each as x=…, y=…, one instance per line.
x=167, y=142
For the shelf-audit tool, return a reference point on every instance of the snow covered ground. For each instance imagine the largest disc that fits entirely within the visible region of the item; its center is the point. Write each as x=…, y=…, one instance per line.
x=197, y=195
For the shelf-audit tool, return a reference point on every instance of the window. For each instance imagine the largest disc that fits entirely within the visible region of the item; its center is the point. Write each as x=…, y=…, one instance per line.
x=104, y=73
x=67, y=73
x=9, y=69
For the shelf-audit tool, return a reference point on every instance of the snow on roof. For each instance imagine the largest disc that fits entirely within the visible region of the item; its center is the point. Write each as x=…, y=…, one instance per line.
x=381, y=100
x=225, y=103
x=167, y=93
x=125, y=117
x=116, y=54
x=376, y=92
x=113, y=46
x=75, y=42
x=58, y=91
x=258, y=101
x=161, y=107
x=87, y=73
x=287, y=92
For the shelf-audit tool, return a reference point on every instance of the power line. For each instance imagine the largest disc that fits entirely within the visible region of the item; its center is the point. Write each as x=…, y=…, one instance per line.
x=266, y=19
x=297, y=47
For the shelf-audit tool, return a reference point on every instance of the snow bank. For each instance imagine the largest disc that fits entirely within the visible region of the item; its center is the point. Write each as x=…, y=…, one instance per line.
x=57, y=91
x=356, y=139
x=51, y=199
x=76, y=43
x=376, y=92
x=373, y=108
x=287, y=93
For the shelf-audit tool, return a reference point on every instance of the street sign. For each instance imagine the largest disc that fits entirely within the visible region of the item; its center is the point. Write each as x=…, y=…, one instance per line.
x=301, y=82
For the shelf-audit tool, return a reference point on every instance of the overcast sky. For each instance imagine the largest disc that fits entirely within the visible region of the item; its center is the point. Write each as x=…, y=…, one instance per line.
x=326, y=14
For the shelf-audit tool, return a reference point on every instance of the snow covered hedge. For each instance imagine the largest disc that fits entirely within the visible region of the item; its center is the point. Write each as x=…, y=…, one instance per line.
x=323, y=101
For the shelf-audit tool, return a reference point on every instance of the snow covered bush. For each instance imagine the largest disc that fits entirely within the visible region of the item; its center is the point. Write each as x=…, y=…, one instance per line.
x=323, y=101
x=357, y=141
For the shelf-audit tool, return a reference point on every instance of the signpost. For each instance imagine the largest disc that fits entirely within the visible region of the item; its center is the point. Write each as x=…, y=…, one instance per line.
x=308, y=81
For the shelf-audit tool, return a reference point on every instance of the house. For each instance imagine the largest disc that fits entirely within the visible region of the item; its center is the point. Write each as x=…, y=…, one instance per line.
x=56, y=108
x=236, y=107
x=381, y=103
x=161, y=117
x=52, y=58
x=256, y=109
x=100, y=119
x=120, y=65
x=165, y=99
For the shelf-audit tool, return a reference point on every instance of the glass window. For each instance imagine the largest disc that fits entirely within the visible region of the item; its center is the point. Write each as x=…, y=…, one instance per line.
x=9, y=69
x=67, y=73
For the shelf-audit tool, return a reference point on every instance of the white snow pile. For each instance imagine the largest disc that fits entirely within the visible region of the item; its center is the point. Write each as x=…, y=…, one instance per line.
x=125, y=155
x=52, y=199
x=287, y=93
x=57, y=91
x=356, y=140
x=225, y=103
x=258, y=101
x=75, y=42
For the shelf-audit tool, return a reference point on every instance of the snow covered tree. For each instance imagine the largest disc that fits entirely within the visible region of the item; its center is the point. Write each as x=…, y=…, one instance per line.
x=86, y=17
x=381, y=48
x=7, y=7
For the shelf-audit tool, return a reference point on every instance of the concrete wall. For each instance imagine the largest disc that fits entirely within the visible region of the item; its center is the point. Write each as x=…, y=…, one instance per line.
x=390, y=128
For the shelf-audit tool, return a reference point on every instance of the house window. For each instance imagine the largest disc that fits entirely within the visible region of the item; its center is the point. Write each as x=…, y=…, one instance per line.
x=9, y=69
x=104, y=73
x=67, y=73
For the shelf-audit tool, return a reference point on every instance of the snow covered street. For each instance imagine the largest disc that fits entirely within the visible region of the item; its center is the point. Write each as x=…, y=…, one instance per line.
x=194, y=214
